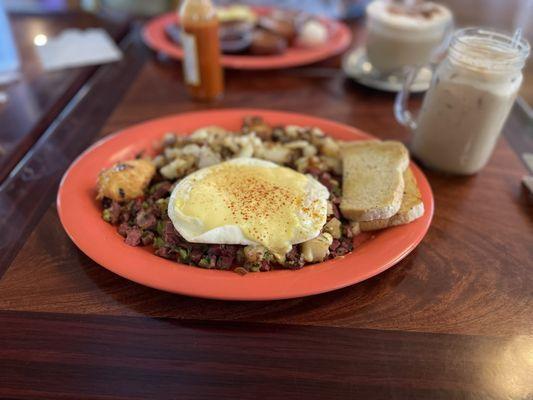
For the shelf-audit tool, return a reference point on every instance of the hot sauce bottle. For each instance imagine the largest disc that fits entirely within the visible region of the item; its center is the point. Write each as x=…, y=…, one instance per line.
x=199, y=37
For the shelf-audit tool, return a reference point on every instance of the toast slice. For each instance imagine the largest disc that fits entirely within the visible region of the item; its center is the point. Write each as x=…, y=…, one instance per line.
x=373, y=179
x=411, y=208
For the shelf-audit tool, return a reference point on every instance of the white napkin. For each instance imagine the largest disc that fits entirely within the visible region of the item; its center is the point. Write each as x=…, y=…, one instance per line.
x=76, y=48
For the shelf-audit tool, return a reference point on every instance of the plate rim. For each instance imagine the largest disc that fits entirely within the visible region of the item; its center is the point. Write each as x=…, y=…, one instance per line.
x=369, y=82
x=153, y=27
x=284, y=292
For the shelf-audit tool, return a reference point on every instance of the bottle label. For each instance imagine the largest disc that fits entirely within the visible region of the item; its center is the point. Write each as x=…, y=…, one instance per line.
x=190, y=59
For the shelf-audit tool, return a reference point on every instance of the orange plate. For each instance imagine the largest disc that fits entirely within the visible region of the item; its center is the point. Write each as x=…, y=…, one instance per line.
x=80, y=215
x=339, y=39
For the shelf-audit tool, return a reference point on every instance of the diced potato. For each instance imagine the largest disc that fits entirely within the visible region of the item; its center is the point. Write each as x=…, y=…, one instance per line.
x=199, y=135
x=254, y=253
x=293, y=131
x=208, y=133
x=126, y=180
x=355, y=228
x=297, y=144
x=230, y=143
x=333, y=227
x=246, y=151
x=332, y=164
x=309, y=150
x=245, y=146
x=301, y=164
x=330, y=147
x=178, y=167
x=317, y=132
x=159, y=161
x=208, y=157
x=191, y=149
x=315, y=162
x=317, y=249
x=172, y=152
x=250, y=138
x=275, y=152
x=330, y=208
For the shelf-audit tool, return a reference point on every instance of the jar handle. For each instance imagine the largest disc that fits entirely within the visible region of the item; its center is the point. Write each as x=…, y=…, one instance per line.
x=401, y=110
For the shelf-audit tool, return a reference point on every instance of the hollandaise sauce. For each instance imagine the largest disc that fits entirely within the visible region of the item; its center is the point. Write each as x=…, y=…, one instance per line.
x=268, y=204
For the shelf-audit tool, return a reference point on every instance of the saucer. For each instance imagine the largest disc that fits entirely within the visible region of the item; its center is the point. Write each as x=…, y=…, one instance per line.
x=357, y=67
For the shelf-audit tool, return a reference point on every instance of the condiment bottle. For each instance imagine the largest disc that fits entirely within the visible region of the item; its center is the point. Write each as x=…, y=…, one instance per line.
x=464, y=110
x=199, y=37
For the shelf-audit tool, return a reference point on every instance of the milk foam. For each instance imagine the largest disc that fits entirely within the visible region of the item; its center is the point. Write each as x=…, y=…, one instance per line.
x=380, y=13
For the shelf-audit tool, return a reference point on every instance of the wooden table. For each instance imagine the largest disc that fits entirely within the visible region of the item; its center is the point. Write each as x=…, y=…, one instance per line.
x=38, y=97
x=452, y=320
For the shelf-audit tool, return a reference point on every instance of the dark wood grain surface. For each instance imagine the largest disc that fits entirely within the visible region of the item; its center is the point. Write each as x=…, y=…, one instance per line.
x=454, y=320
x=37, y=98
x=28, y=190
x=90, y=357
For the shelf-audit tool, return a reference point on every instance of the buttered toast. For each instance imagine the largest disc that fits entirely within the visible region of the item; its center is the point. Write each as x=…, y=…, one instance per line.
x=411, y=208
x=373, y=182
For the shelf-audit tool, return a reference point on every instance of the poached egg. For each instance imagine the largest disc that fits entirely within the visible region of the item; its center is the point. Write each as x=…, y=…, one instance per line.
x=249, y=201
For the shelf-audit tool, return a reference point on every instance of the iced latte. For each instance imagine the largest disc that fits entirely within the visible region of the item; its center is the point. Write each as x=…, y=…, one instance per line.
x=470, y=98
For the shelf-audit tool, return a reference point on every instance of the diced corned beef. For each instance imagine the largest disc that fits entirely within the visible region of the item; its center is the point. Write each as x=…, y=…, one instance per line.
x=136, y=205
x=146, y=220
x=325, y=176
x=334, y=245
x=106, y=202
x=225, y=262
x=328, y=184
x=133, y=236
x=215, y=250
x=347, y=231
x=162, y=190
x=325, y=179
x=147, y=238
x=340, y=251
x=196, y=255
x=265, y=266
x=170, y=235
x=123, y=229
x=124, y=216
x=346, y=245
x=293, y=259
x=212, y=262
x=314, y=171
x=230, y=250
x=295, y=264
x=114, y=209
x=292, y=255
x=164, y=252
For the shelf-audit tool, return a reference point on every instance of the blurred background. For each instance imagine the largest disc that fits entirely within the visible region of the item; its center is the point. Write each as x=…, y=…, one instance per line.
x=502, y=14
x=332, y=8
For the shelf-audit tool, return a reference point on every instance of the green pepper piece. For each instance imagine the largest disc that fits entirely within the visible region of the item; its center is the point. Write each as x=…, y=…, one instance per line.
x=106, y=215
x=204, y=262
x=158, y=242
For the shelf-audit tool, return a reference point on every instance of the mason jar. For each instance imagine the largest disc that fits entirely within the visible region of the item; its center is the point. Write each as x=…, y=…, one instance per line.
x=471, y=95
